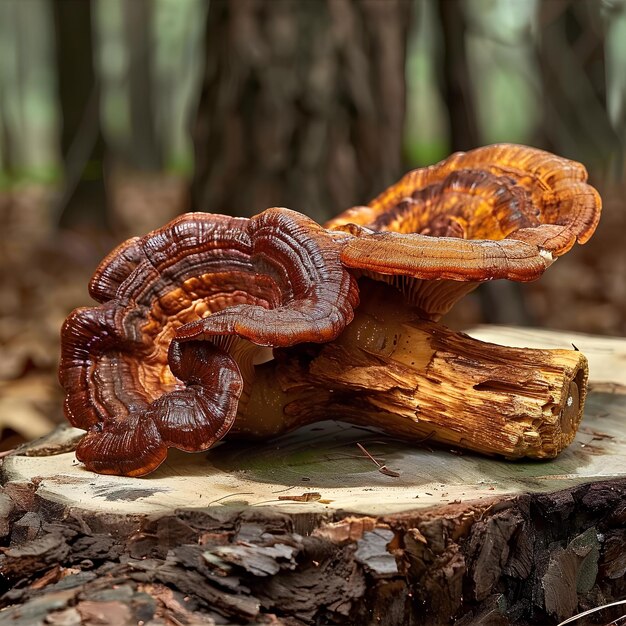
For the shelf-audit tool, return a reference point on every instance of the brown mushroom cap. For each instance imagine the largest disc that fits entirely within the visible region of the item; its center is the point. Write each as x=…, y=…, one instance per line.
x=139, y=370
x=502, y=211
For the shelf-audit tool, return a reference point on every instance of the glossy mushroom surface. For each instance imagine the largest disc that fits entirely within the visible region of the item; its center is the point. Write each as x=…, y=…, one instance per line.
x=168, y=358
x=502, y=211
x=154, y=366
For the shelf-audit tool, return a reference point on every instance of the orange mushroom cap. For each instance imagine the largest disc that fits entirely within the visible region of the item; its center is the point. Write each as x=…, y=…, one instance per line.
x=502, y=211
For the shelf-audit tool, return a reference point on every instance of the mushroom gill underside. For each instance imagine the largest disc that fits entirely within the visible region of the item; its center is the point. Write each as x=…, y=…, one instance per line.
x=214, y=324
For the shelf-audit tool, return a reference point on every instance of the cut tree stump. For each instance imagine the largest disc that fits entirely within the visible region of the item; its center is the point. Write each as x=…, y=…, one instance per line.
x=309, y=529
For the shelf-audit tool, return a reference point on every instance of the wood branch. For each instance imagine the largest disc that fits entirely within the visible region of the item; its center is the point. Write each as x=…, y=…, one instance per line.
x=605, y=355
x=417, y=380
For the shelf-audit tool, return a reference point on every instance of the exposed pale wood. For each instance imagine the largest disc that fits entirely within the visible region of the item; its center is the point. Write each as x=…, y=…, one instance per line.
x=418, y=380
x=324, y=458
x=606, y=355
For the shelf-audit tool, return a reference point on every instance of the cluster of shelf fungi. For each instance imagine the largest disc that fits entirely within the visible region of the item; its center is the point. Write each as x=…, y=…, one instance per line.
x=215, y=326
x=218, y=328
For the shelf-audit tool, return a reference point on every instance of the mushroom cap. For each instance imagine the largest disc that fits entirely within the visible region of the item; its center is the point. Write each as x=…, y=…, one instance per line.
x=502, y=211
x=150, y=367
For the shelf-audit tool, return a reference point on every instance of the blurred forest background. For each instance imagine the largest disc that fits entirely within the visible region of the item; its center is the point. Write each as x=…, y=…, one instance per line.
x=117, y=115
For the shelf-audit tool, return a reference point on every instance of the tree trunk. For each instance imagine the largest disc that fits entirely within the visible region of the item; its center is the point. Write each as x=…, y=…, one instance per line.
x=573, y=76
x=143, y=150
x=82, y=145
x=455, y=79
x=302, y=105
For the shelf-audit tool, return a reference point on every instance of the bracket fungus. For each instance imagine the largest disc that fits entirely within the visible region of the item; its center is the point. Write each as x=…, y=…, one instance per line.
x=503, y=211
x=161, y=362
x=173, y=356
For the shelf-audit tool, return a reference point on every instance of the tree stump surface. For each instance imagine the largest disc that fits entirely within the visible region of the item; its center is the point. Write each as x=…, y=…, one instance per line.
x=307, y=529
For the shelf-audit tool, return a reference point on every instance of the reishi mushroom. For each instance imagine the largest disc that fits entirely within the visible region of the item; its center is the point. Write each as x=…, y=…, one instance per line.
x=502, y=211
x=162, y=361
x=171, y=357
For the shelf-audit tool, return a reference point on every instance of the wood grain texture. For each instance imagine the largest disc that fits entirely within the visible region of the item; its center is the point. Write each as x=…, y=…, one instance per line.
x=606, y=355
x=417, y=380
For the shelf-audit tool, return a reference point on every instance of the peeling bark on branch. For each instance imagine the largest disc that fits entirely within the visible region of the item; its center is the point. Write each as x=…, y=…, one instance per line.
x=418, y=380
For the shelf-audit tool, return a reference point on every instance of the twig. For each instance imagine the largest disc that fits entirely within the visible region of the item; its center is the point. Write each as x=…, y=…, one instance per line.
x=383, y=469
x=590, y=611
x=309, y=496
x=369, y=456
